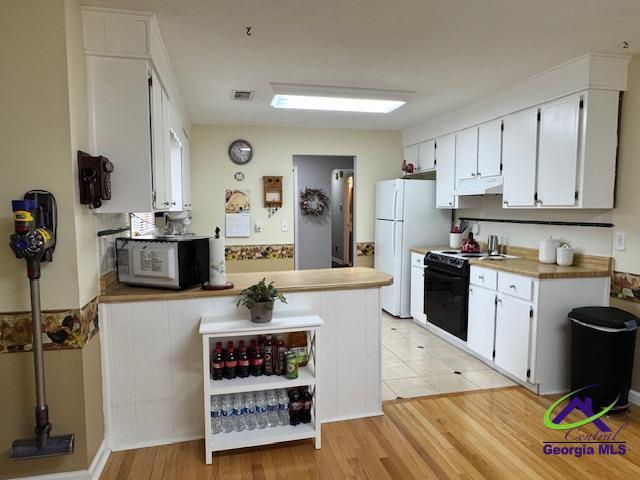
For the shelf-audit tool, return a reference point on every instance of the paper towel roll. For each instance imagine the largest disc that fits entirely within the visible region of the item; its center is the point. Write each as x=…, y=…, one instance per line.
x=217, y=270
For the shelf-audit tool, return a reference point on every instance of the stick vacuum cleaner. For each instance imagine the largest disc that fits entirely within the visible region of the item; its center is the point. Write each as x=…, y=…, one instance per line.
x=35, y=220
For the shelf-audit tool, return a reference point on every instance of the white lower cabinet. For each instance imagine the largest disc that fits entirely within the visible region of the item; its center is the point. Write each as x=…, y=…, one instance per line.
x=513, y=330
x=417, y=288
x=520, y=324
x=482, y=321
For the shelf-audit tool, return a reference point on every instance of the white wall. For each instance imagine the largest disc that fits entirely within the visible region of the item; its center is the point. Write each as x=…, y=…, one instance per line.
x=379, y=155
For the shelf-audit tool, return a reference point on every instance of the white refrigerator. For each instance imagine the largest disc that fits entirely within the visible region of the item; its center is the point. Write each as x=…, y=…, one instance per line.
x=406, y=217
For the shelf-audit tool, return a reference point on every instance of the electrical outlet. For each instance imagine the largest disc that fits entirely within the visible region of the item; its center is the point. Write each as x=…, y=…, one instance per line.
x=284, y=226
x=258, y=227
x=620, y=241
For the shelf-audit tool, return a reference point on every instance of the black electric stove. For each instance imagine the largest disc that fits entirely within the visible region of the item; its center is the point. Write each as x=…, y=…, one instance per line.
x=446, y=291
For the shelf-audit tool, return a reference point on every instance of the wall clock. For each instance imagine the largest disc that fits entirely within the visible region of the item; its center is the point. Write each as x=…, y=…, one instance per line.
x=240, y=152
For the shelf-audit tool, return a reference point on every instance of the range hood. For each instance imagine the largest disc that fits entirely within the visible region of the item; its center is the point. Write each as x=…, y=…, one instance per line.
x=479, y=186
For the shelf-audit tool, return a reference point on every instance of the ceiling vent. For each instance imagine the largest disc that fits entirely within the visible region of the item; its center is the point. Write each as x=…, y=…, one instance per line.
x=242, y=95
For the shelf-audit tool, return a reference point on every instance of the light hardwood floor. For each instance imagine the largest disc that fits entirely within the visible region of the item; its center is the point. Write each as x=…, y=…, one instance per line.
x=493, y=434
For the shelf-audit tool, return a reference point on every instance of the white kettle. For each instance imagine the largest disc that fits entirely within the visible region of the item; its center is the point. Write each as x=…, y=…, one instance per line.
x=547, y=250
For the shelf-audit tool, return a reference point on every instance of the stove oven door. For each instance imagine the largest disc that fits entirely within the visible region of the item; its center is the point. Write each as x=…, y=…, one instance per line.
x=446, y=298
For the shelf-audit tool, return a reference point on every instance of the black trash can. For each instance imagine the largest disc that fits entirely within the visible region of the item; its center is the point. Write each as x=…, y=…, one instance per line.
x=602, y=345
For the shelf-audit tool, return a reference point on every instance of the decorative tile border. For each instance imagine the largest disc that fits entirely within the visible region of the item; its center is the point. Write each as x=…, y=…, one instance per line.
x=625, y=286
x=258, y=252
x=62, y=329
x=366, y=249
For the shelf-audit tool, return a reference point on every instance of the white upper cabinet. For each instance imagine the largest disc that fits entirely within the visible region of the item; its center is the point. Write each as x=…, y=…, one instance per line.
x=412, y=155
x=427, y=156
x=490, y=149
x=133, y=121
x=519, y=149
x=467, y=153
x=445, y=172
x=558, y=152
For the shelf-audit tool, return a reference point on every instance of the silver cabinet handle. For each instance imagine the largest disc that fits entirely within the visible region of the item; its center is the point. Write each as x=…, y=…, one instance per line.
x=471, y=290
x=505, y=203
x=173, y=203
x=479, y=174
x=481, y=277
x=512, y=286
x=473, y=174
x=498, y=300
x=451, y=203
x=166, y=203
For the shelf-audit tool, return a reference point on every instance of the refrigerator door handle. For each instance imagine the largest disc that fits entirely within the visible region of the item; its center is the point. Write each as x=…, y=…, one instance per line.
x=395, y=207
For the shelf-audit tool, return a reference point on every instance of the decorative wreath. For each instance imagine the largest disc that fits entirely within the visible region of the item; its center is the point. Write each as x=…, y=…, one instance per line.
x=313, y=201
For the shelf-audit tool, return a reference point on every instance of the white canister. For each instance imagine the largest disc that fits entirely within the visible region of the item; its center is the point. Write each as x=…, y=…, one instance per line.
x=547, y=250
x=565, y=255
x=455, y=240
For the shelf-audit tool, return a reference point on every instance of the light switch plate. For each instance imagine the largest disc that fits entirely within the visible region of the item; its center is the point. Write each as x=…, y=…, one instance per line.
x=258, y=227
x=284, y=226
x=620, y=241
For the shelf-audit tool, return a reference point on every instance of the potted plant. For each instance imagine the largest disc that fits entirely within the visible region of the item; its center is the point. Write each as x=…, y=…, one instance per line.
x=259, y=299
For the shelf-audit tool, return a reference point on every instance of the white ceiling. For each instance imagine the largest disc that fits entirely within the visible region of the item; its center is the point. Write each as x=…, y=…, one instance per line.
x=448, y=51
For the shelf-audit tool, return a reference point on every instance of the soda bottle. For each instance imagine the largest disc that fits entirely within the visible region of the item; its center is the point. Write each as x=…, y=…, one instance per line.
x=272, y=409
x=268, y=355
x=283, y=407
x=216, y=414
x=250, y=405
x=257, y=362
x=217, y=363
x=243, y=361
x=295, y=407
x=261, y=410
x=230, y=362
x=239, y=413
x=227, y=414
x=307, y=402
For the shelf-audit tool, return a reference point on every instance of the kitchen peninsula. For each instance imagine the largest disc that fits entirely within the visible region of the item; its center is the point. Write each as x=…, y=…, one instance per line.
x=152, y=351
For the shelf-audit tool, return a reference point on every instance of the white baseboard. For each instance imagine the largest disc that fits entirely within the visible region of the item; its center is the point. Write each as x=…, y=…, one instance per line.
x=92, y=473
x=156, y=443
x=634, y=397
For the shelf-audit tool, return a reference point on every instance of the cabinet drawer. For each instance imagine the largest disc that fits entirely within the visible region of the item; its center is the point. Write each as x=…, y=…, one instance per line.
x=483, y=277
x=515, y=285
x=417, y=260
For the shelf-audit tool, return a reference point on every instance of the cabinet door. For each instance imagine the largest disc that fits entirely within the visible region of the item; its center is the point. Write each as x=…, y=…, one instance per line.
x=482, y=317
x=445, y=172
x=158, y=144
x=427, y=155
x=512, y=335
x=186, y=173
x=412, y=155
x=417, y=294
x=519, y=149
x=489, y=148
x=467, y=153
x=558, y=152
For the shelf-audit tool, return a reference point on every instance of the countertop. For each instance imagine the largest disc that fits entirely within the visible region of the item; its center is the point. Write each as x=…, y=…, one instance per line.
x=284, y=281
x=527, y=264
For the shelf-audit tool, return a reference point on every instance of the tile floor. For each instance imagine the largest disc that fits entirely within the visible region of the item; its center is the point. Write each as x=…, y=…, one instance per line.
x=416, y=363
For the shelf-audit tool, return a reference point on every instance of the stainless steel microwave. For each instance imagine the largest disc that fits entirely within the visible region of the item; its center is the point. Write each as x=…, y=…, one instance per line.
x=174, y=262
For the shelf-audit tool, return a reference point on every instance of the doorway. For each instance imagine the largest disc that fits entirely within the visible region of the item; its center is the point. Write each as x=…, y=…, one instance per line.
x=327, y=239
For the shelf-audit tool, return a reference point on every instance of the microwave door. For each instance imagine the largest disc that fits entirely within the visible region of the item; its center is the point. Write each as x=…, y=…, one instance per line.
x=155, y=264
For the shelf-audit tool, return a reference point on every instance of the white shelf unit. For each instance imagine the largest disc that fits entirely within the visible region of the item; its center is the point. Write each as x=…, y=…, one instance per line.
x=217, y=328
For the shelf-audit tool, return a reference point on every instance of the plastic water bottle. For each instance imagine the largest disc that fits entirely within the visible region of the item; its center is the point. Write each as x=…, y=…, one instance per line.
x=216, y=414
x=272, y=408
x=261, y=410
x=283, y=407
x=227, y=414
x=250, y=405
x=239, y=413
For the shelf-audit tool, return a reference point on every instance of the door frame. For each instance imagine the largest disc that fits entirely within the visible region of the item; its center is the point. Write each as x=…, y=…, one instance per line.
x=296, y=233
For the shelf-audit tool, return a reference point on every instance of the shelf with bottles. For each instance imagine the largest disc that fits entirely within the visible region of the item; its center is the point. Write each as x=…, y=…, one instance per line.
x=281, y=361
x=237, y=376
